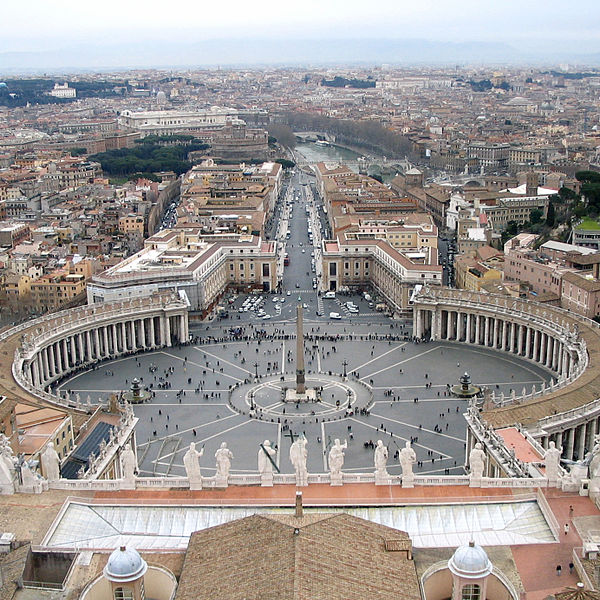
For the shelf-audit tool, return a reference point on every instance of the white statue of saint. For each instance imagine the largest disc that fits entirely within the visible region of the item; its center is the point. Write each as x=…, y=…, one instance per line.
x=128, y=463
x=224, y=457
x=552, y=461
x=7, y=466
x=51, y=463
x=407, y=459
x=265, y=458
x=477, y=461
x=381, y=458
x=594, y=470
x=336, y=458
x=191, y=464
x=298, y=457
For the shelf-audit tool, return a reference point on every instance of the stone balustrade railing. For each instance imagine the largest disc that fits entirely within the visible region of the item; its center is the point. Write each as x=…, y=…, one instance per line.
x=290, y=479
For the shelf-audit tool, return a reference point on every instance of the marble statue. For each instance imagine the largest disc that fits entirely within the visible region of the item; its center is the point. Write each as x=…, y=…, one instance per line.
x=50, y=463
x=477, y=461
x=298, y=457
x=128, y=463
x=224, y=457
x=336, y=458
x=578, y=470
x=7, y=467
x=552, y=461
x=407, y=459
x=265, y=456
x=191, y=464
x=594, y=470
x=381, y=458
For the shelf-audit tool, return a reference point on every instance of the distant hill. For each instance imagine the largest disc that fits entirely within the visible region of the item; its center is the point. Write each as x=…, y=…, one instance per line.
x=233, y=52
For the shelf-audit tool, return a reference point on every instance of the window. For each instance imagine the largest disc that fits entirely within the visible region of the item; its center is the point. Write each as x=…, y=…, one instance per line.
x=471, y=592
x=123, y=594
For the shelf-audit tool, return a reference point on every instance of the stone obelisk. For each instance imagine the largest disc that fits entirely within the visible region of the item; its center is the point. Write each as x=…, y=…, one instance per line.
x=300, y=380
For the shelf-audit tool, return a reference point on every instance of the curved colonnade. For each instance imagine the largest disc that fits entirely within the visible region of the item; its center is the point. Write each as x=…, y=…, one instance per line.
x=566, y=412
x=51, y=347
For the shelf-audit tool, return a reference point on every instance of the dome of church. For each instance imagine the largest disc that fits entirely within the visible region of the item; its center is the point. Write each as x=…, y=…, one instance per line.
x=470, y=561
x=125, y=564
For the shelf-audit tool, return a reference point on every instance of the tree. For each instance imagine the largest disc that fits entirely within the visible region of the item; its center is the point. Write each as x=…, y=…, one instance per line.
x=535, y=216
x=282, y=133
x=77, y=151
x=588, y=176
x=285, y=163
x=551, y=216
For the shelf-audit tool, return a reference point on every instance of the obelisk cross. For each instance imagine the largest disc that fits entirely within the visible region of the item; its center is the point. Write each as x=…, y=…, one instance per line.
x=300, y=380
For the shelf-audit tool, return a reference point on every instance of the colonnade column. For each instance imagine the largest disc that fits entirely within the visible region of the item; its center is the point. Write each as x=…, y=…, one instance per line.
x=143, y=333
x=184, y=333
x=105, y=338
x=570, y=443
x=152, y=333
x=52, y=363
x=88, y=345
x=124, y=345
x=45, y=370
x=73, y=349
x=168, y=331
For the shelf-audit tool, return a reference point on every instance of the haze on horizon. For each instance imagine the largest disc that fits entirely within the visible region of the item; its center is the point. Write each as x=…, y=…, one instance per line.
x=64, y=30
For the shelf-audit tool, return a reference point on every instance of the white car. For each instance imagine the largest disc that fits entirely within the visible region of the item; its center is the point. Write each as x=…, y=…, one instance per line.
x=335, y=315
x=265, y=317
x=288, y=293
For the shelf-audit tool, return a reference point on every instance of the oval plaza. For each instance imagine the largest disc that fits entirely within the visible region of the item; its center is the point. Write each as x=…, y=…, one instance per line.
x=508, y=486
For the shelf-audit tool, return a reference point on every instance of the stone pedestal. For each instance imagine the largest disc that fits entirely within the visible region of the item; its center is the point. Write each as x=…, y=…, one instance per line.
x=302, y=479
x=195, y=484
x=408, y=481
x=7, y=489
x=336, y=479
x=221, y=482
x=382, y=478
x=475, y=481
x=266, y=480
x=127, y=484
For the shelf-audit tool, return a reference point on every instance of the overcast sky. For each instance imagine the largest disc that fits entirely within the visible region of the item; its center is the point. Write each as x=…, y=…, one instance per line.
x=36, y=24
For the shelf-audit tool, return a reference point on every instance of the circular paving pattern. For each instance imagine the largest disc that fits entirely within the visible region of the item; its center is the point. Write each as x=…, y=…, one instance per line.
x=335, y=397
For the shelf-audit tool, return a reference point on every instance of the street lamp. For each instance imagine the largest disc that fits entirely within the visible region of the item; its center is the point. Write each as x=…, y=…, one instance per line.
x=255, y=369
x=344, y=364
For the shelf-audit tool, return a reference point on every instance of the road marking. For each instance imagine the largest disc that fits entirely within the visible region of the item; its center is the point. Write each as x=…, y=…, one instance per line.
x=375, y=359
x=223, y=360
x=398, y=363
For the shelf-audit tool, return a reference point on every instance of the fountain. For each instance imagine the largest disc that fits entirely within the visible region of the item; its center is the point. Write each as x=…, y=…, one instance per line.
x=136, y=393
x=465, y=389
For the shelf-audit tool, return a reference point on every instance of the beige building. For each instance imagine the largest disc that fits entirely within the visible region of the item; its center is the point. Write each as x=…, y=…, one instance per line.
x=580, y=293
x=50, y=292
x=357, y=264
x=186, y=260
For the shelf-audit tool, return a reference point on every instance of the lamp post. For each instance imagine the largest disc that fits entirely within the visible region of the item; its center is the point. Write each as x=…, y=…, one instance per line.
x=344, y=365
x=255, y=369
